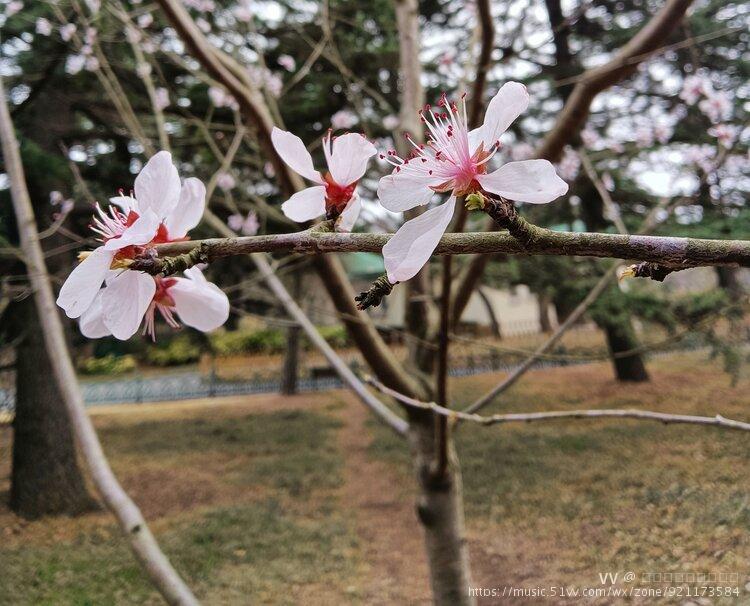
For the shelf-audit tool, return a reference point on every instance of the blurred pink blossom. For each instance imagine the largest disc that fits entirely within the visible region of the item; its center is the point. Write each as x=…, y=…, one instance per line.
x=717, y=106
x=67, y=31
x=693, y=88
x=162, y=98
x=43, y=27
x=343, y=118
x=287, y=62
x=724, y=133
x=225, y=181
x=569, y=165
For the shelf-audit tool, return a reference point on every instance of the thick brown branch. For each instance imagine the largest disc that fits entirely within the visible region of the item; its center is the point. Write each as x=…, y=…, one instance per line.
x=677, y=253
x=595, y=80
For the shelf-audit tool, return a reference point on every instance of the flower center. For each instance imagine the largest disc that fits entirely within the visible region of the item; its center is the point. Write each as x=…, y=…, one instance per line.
x=337, y=196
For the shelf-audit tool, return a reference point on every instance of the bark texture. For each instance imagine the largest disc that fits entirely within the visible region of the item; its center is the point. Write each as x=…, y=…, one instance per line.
x=441, y=512
x=46, y=478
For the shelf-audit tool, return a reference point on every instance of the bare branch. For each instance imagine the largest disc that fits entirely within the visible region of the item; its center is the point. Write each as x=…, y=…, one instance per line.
x=528, y=417
x=668, y=251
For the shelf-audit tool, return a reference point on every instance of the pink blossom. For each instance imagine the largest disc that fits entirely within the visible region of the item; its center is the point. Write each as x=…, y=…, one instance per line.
x=522, y=151
x=247, y=226
x=644, y=136
x=220, y=98
x=569, y=165
x=203, y=25
x=608, y=182
x=74, y=64
x=343, y=119
x=43, y=26
x=391, y=122
x=335, y=192
x=243, y=13
x=162, y=98
x=163, y=210
x=287, y=62
x=67, y=31
x=92, y=63
x=268, y=170
x=724, y=133
x=265, y=78
x=12, y=8
x=693, y=88
x=225, y=181
x=235, y=222
x=663, y=132
x=94, y=6
x=55, y=198
x=717, y=106
x=145, y=20
x=454, y=160
x=590, y=138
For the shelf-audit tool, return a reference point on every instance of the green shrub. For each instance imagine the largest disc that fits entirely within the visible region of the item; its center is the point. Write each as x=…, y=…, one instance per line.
x=336, y=336
x=107, y=365
x=177, y=351
x=268, y=340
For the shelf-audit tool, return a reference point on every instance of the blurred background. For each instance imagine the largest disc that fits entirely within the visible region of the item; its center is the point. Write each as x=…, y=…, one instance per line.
x=263, y=478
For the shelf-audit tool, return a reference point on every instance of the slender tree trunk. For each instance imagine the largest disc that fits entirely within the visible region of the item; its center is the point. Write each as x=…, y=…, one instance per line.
x=441, y=513
x=545, y=322
x=46, y=478
x=729, y=280
x=621, y=338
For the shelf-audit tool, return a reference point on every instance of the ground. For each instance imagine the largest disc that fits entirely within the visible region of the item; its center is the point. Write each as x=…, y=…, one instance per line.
x=306, y=499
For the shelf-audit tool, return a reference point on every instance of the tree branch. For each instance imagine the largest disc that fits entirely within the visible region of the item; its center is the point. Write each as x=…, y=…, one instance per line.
x=528, y=417
x=593, y=81
x=678, y=253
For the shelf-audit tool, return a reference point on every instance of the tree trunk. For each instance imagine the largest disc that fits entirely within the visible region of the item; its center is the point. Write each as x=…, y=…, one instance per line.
x=46, y=478
x=729, y=280
x=621, y=338
x=441, y=513
x=545, y=322
x=291, y=358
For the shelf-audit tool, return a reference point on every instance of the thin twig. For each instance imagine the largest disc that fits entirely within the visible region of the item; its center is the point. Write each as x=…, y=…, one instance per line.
x=528, y=417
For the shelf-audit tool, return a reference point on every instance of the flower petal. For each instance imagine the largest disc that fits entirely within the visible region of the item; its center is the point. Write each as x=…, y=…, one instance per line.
x=189, y=211
x=125, y=203
x=405, y=189
x=84, y=282
x=199, y=303
x=292, y=151
x=142, y=231
x=510, y=102
x=349, y=215
x=125, y=300
x=157, y=186
x=413, y=244
x=92, y=320
x=533, y=181
x=349, y=156
x=306, y=205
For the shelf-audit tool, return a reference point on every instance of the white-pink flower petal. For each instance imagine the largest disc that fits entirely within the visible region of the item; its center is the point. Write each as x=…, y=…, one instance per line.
x=92, y=320
x=406, y=189
x=348, y=158
x=292, y=151
x=125, y=300
x=349, y=216
x=79, y=290
x=510, y=102
x=306, y=205
x=198, y=302
x=533, y=181
x=189, y=210
x=157, y=186
x=142, y=231
x=125, y=203
x=413, y=244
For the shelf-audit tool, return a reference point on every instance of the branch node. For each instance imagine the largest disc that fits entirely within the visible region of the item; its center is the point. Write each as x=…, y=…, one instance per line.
x=504, y=213
x=654, y=271
x=374, y=296
x=167, y=266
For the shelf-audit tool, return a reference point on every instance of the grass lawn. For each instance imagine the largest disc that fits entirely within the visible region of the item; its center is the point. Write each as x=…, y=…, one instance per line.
x=305, y=500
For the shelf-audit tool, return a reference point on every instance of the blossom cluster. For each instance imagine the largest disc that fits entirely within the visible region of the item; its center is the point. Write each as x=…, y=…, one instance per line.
x=108, y=298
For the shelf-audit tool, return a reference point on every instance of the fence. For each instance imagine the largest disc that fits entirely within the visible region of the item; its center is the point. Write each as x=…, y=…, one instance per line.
x=193, y=384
